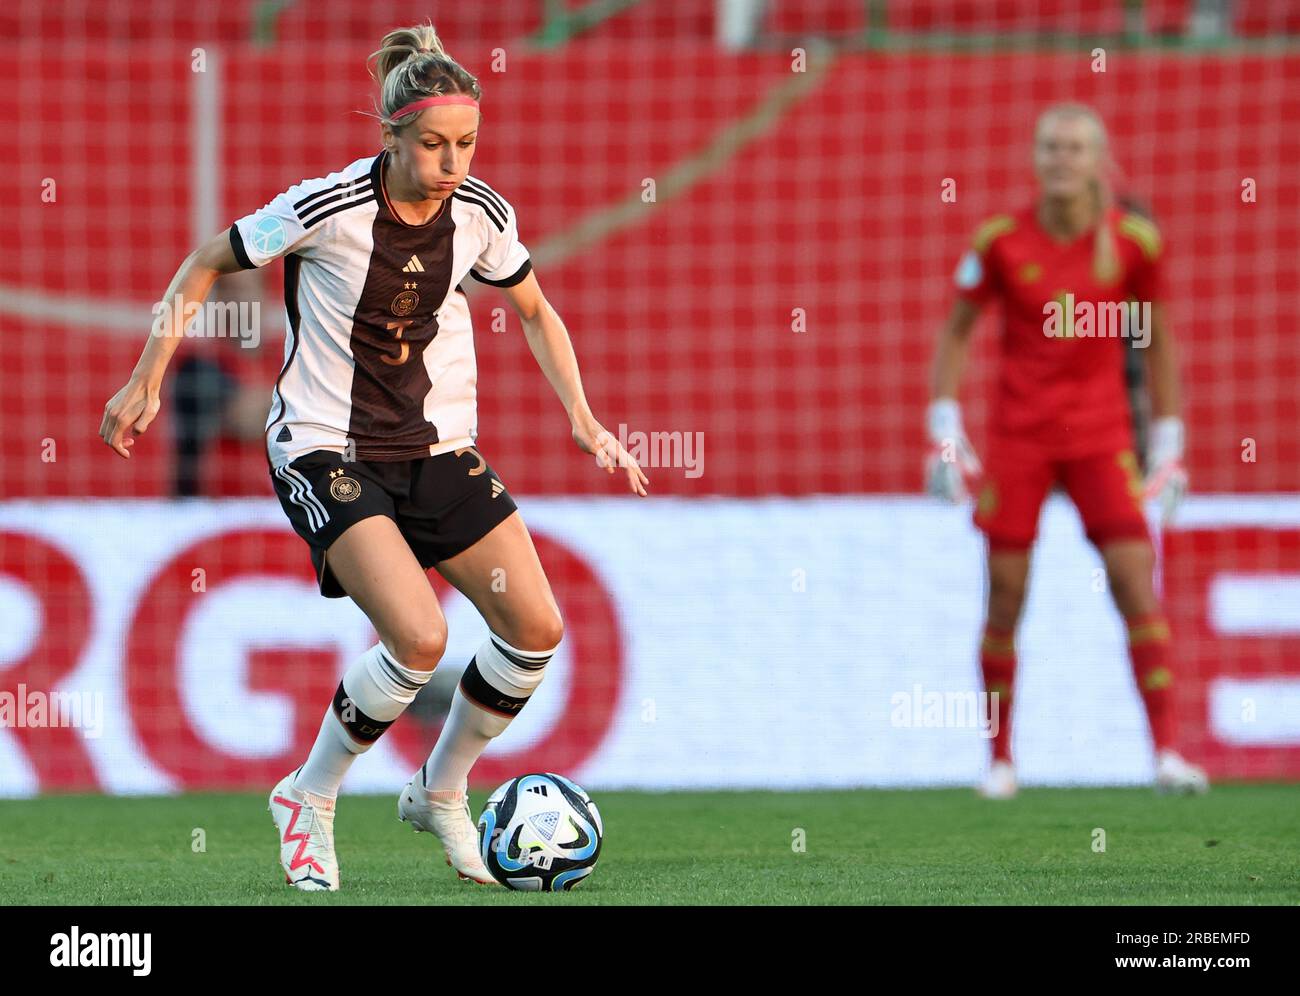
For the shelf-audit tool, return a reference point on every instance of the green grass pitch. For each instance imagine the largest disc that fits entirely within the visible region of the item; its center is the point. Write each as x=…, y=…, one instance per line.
x=1238, y=845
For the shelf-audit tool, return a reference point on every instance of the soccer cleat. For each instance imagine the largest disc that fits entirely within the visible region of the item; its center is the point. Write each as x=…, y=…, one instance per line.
x=1174, y=774
x=1000, y=782
x=305, y=823
x=446, y=815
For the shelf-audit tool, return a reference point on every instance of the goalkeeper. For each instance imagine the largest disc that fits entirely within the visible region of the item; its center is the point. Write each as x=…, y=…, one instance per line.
x=1077, y=278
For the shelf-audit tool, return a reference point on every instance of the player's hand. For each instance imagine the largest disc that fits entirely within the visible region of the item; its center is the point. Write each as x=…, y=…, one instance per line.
x=952, y=469
x=128, y=414
x=595, y=439
x=1166, y=477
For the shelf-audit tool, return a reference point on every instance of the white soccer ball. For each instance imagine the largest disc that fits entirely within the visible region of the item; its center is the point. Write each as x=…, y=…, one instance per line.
x=540, y=833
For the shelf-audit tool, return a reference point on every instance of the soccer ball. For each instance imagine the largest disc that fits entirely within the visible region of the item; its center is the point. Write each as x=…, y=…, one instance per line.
x=540, y=833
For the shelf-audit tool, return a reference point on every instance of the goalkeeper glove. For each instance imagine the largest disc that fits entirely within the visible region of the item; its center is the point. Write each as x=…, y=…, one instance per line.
x=1166, y=476
x=952, y=469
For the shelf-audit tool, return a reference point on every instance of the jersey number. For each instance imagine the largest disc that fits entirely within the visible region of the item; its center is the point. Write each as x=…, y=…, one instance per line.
x=404, y=353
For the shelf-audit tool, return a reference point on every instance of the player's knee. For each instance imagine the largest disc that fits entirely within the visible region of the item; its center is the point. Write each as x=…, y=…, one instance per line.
x=1006, y=599
x=540, y=631
x=1133, y=592
x=422, y=647
x=1007, y=586
x=1004, y=614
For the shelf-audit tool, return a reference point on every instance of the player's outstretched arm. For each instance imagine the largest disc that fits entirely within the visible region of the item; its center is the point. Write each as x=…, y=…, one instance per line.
x=549, y=340
x=129, y=412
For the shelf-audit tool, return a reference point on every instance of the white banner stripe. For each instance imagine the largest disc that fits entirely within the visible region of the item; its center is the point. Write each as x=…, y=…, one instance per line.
x=1256, y=712
x=1255, y=604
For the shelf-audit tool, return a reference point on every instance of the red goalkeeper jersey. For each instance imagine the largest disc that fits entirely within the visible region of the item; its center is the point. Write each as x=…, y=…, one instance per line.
x=1061, y=352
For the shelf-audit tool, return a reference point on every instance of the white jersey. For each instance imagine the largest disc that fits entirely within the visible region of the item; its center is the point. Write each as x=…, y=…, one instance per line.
x=379, y=350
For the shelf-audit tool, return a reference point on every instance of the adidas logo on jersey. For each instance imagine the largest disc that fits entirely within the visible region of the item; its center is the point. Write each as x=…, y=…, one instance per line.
x=497, y=488
x=414, y=266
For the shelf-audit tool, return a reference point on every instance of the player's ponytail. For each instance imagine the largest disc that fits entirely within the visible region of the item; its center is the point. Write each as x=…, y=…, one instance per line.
x=411, y=64
x=1105, y=251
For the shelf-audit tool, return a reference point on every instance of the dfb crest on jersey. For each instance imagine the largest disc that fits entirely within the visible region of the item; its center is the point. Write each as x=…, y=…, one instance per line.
x=405, y=303
x=344, y=488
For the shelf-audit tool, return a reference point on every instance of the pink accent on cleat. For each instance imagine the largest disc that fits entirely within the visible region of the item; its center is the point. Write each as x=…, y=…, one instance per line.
x=299, y=861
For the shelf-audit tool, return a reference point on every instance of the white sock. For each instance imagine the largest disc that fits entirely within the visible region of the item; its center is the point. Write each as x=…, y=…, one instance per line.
x=495, y=686
x=374, y=692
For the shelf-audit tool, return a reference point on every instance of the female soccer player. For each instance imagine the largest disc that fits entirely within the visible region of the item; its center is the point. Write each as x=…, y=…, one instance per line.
x=1061, y=415
x=371, y=434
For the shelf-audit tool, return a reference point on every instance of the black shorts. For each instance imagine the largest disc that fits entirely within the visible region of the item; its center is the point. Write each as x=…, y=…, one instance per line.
x=442, y=504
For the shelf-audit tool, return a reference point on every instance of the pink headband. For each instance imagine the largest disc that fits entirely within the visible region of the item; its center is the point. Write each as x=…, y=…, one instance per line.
x=419, y=105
